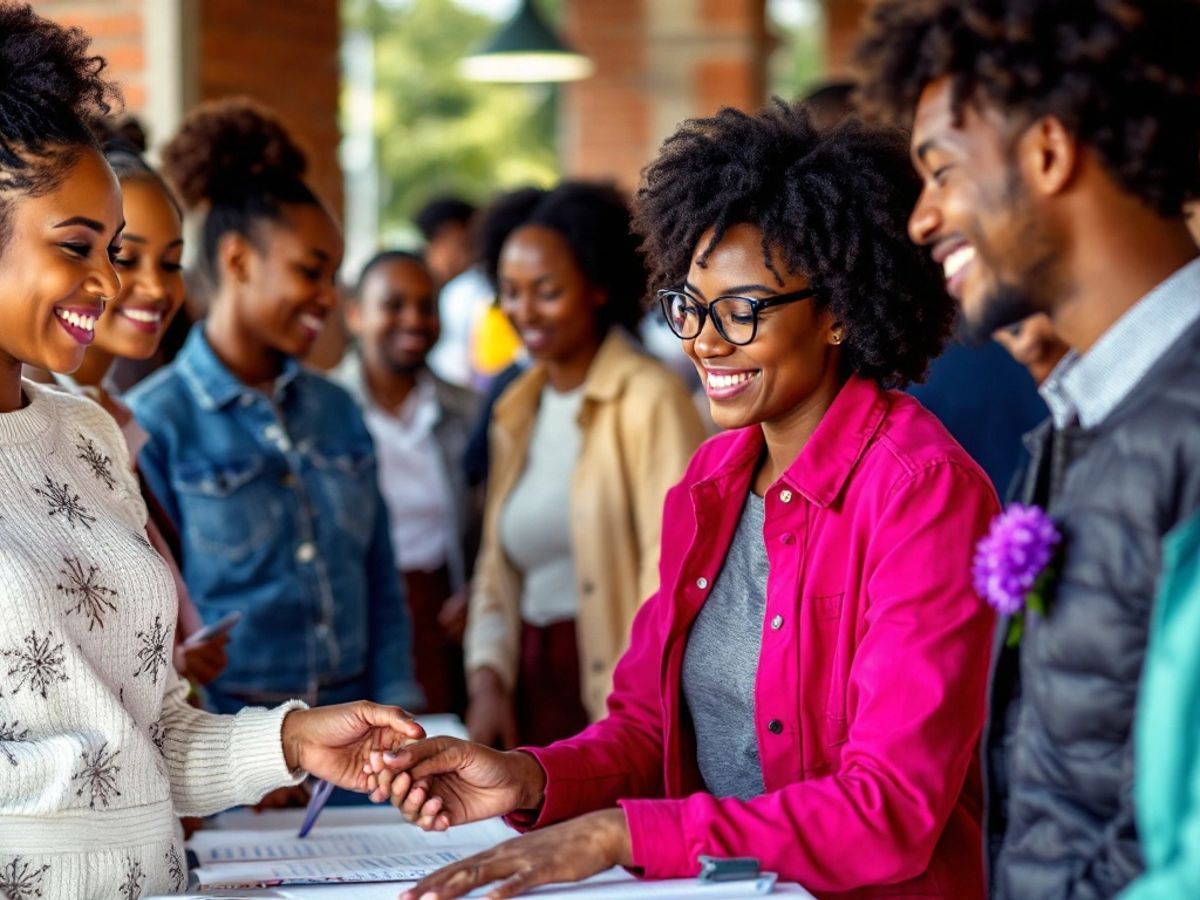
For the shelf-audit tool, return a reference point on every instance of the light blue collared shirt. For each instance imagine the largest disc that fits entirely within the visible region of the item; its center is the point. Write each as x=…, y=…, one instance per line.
x=1087, y=388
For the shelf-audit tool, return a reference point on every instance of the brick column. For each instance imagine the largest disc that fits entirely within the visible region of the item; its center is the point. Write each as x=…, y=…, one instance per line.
x=843, y=21
x=658, y=62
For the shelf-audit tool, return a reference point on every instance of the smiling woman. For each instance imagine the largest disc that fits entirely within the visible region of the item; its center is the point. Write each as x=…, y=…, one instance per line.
x=810, y=555
x=101, y=751
x=267, y=468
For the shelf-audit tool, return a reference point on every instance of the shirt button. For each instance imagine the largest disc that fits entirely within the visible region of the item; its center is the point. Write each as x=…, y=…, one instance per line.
x=702, y=582
x=289, y=480
x=777, y=623
x=588, y=587
x=597, y=666
x=306, y=552
x=775, y=726
x=246, y=399
x=787, y=537
x=785, y=495
x=273, y=432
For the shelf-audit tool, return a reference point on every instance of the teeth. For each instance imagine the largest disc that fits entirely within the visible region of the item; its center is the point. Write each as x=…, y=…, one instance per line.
x=728, y=381
x=143, y=315
x=311, y=322
x=953, y=264
x=84, y=323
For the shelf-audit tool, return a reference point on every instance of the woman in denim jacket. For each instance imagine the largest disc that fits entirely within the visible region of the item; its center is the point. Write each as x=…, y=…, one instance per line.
x=267, y=468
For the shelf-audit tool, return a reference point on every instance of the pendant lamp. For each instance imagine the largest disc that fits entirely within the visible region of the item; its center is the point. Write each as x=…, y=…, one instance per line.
x=526, y=50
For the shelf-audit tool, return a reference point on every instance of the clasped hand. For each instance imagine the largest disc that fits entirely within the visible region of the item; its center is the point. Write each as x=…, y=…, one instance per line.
x=337, y=742
x=440, y=782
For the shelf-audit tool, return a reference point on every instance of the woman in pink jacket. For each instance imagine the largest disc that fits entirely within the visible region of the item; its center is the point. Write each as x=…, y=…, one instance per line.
x=807, y=686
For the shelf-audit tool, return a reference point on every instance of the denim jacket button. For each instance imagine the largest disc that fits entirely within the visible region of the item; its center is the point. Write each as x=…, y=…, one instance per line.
x=306, y=552
x=246, y=399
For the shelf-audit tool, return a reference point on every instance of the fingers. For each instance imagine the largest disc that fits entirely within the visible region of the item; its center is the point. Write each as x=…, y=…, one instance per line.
x=519, y=883
x=392, y=717
x=432, y=756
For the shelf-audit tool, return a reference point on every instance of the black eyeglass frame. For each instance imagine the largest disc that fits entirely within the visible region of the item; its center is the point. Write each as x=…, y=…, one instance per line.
x=756, y=306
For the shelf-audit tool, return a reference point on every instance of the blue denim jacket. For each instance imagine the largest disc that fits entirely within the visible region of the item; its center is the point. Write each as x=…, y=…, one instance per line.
x=280, y=518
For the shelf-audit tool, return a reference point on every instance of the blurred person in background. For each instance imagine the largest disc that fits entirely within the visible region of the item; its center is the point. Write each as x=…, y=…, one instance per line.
x=267, y=468
x=476, y=342
x=1035, y=344
x=420, y=424
x=583, y=448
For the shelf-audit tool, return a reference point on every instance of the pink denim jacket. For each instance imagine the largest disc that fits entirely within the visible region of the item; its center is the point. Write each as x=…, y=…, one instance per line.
x=871, y=676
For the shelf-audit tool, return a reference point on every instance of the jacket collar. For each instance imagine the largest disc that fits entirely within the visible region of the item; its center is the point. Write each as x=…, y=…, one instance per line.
x=616, y=362
x=824, y=465
x=210, y=380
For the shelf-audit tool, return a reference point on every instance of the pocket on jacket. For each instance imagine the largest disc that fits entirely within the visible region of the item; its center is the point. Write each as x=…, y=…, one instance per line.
x=227, y=509
x=346, y=481
x=825, y=666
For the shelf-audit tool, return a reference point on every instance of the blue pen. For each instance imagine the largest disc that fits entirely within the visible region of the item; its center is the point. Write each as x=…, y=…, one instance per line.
x=316, y=803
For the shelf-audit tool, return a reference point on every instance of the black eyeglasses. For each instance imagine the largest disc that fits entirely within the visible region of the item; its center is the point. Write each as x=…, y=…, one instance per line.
x=735, y=318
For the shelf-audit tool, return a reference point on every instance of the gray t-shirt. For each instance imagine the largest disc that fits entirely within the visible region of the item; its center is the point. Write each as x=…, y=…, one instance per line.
x=720, y=663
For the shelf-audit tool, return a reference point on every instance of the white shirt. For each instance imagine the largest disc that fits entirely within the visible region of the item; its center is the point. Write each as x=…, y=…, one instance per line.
x=535, y=524
x=461, y=302
x=412, y=480
x=1090, y=387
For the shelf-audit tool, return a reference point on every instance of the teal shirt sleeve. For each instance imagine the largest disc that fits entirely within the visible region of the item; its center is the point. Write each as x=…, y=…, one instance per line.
x=1167, y=730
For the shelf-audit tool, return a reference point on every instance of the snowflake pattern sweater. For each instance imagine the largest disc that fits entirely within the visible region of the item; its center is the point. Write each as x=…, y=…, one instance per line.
x=99, y=752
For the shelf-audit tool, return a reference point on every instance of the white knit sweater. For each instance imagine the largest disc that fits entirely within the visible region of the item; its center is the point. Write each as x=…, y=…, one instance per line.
x=99, y=752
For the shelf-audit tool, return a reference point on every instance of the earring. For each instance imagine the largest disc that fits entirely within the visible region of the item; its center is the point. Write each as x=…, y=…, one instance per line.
x=837, y=337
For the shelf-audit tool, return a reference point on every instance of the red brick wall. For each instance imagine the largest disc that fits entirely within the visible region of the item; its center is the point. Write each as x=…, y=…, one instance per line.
x=605, y=120
x=115, y=27
x=286, y=55
x=843, y=20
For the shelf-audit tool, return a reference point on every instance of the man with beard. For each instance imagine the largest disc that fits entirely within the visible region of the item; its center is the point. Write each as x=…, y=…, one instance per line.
x=420, y=425
x=1058, y=144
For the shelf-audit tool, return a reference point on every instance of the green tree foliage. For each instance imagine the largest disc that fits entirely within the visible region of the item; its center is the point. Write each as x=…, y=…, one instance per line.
x=436, y=132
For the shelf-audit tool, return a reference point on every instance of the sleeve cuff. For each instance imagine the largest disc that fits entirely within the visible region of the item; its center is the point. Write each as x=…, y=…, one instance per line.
x=656, y=837
x=256, y=750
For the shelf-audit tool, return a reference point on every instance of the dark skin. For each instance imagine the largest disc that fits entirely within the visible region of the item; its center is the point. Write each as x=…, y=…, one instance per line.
x=555, y=310
x=58, y=260
x=395, y=318
x=1047, y=228
x=792, y=379
x=274, y=291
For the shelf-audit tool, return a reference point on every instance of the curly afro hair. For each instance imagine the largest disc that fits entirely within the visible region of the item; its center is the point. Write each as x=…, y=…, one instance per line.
x=593, y=218
x=833, y=205
x=1122, y=75
x=50, y=86
x=235, y=160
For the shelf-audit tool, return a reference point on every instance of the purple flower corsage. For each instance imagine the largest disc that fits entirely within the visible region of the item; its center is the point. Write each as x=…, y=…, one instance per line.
x=1014, y=564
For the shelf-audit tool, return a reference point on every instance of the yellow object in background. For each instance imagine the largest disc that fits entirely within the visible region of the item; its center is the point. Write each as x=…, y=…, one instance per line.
x=494, y=342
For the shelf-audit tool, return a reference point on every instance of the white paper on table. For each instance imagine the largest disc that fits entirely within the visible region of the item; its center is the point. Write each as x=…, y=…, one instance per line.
x=220, y=846
x=410, y=866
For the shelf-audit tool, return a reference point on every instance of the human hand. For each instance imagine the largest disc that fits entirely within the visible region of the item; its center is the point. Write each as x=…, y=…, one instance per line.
x=453, y=615
x=491, y=718
x=336, y=742
x=570, y=851
x=445, y=781
x=202, y=661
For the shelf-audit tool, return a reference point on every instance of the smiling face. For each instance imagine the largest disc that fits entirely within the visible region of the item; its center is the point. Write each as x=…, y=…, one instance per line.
x=547, y=297
x=287, y=280
x=997, y=250
x=792, y=359
x=56, y=269
x=396, y=317
x=151, y=274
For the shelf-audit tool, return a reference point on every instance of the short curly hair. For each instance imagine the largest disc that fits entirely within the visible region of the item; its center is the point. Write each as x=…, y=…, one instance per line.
x=236, y=161
x=593, y=218
x=833, y=205
x=1122, y=75
x=50, y=86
